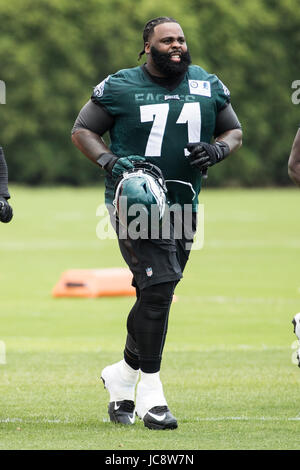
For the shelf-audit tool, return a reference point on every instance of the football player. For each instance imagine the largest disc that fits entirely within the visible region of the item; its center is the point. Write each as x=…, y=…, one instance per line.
x=6, y=212
x=294, y=160
x=177, y=117
x=296, y=324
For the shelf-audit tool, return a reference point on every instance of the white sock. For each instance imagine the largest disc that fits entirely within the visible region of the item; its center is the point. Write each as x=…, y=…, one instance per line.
x=151, y=380
x=128, y=373
x=149, y=393
x=120, y=381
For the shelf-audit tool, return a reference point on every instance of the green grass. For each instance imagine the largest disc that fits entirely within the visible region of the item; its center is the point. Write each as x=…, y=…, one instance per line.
x=227, y=369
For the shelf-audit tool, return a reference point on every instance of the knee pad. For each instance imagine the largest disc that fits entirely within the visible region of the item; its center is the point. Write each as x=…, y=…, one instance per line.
x=156, y=300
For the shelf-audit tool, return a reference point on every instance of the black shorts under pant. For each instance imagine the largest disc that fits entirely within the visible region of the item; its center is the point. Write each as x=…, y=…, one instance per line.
x=155, y=261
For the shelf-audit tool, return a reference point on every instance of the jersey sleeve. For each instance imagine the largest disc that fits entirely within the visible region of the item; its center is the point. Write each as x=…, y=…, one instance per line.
x=94, y=118
x=222, y=94
x=103, y=94
x=226, y=120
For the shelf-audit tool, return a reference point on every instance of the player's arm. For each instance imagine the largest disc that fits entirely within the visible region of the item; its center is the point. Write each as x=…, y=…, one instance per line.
x=228, y=128
x=91, y=124
x=294, y=160
x=6, y=212
x=228, y=138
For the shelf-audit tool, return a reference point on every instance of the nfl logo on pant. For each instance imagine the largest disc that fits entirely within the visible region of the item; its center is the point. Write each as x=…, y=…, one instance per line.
x=149, y=272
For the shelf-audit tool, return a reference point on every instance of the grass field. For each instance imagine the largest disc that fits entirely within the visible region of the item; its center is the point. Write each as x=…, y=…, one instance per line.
x=227, y=369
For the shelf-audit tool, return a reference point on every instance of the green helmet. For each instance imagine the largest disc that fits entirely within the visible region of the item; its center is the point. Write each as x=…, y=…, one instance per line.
x=140, y=196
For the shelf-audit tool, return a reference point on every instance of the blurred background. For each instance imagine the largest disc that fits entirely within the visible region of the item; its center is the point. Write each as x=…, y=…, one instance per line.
x=53, y=52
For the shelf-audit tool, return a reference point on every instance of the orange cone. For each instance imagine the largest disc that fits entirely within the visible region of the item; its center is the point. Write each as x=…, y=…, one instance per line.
x=94, y=283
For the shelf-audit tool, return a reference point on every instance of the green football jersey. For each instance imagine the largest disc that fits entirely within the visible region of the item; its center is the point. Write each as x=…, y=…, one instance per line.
x=154, y=122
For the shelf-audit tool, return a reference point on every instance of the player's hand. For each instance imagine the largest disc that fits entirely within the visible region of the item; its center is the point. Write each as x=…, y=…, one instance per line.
x=125, y=163
x=296, y=323
x=116, y=166
x=203, y=155
x=6, y=212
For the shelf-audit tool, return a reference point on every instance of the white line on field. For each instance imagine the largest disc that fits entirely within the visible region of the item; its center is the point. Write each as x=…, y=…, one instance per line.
x=43, y=421
x=247, y=418
x=50, y=245
x=208, y=418
x=265, y=243
x=33, y=345
x=92, y=244
x=220, y=299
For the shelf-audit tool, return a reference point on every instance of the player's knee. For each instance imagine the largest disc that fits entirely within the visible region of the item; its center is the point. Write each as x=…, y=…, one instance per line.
x=158, y=294
x=156, y=300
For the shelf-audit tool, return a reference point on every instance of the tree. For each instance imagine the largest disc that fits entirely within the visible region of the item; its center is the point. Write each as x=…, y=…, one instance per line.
x=52, y=54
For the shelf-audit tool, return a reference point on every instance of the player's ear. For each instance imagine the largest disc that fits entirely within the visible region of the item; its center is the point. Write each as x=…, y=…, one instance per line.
x=147, y=47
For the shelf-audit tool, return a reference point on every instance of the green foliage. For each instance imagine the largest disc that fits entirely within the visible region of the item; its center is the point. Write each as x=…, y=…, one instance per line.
x=52, y=53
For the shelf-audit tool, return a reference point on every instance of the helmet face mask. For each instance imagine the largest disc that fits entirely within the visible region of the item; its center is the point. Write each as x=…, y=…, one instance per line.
x=140, y=198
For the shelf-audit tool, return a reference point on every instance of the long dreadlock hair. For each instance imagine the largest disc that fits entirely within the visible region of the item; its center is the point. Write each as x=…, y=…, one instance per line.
x=149, y=28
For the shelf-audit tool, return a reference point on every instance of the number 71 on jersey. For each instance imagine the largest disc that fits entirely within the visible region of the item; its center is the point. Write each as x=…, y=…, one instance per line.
x=158, y=113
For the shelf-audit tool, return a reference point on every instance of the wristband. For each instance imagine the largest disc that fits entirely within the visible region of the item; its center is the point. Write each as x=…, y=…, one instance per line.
x=224, y=148
x=106, y=158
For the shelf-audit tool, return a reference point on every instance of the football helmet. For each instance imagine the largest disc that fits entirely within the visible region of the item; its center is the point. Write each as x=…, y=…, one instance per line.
x=141, y=190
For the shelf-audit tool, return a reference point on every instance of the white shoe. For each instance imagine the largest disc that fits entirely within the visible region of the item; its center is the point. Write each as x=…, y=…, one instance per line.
x=151, y=405
x=120, y=380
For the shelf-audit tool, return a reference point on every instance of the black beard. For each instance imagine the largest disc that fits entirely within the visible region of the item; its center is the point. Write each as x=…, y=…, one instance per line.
x=166, y=66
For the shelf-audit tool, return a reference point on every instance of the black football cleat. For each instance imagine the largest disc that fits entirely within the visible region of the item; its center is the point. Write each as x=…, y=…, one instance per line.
x=121, y=408
x=121, y=412
x=160, y=417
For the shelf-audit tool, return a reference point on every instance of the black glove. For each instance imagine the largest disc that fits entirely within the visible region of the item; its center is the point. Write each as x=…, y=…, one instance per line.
x=6, y=212
x=115, y=166
x=204, y=155
x=107, y=161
